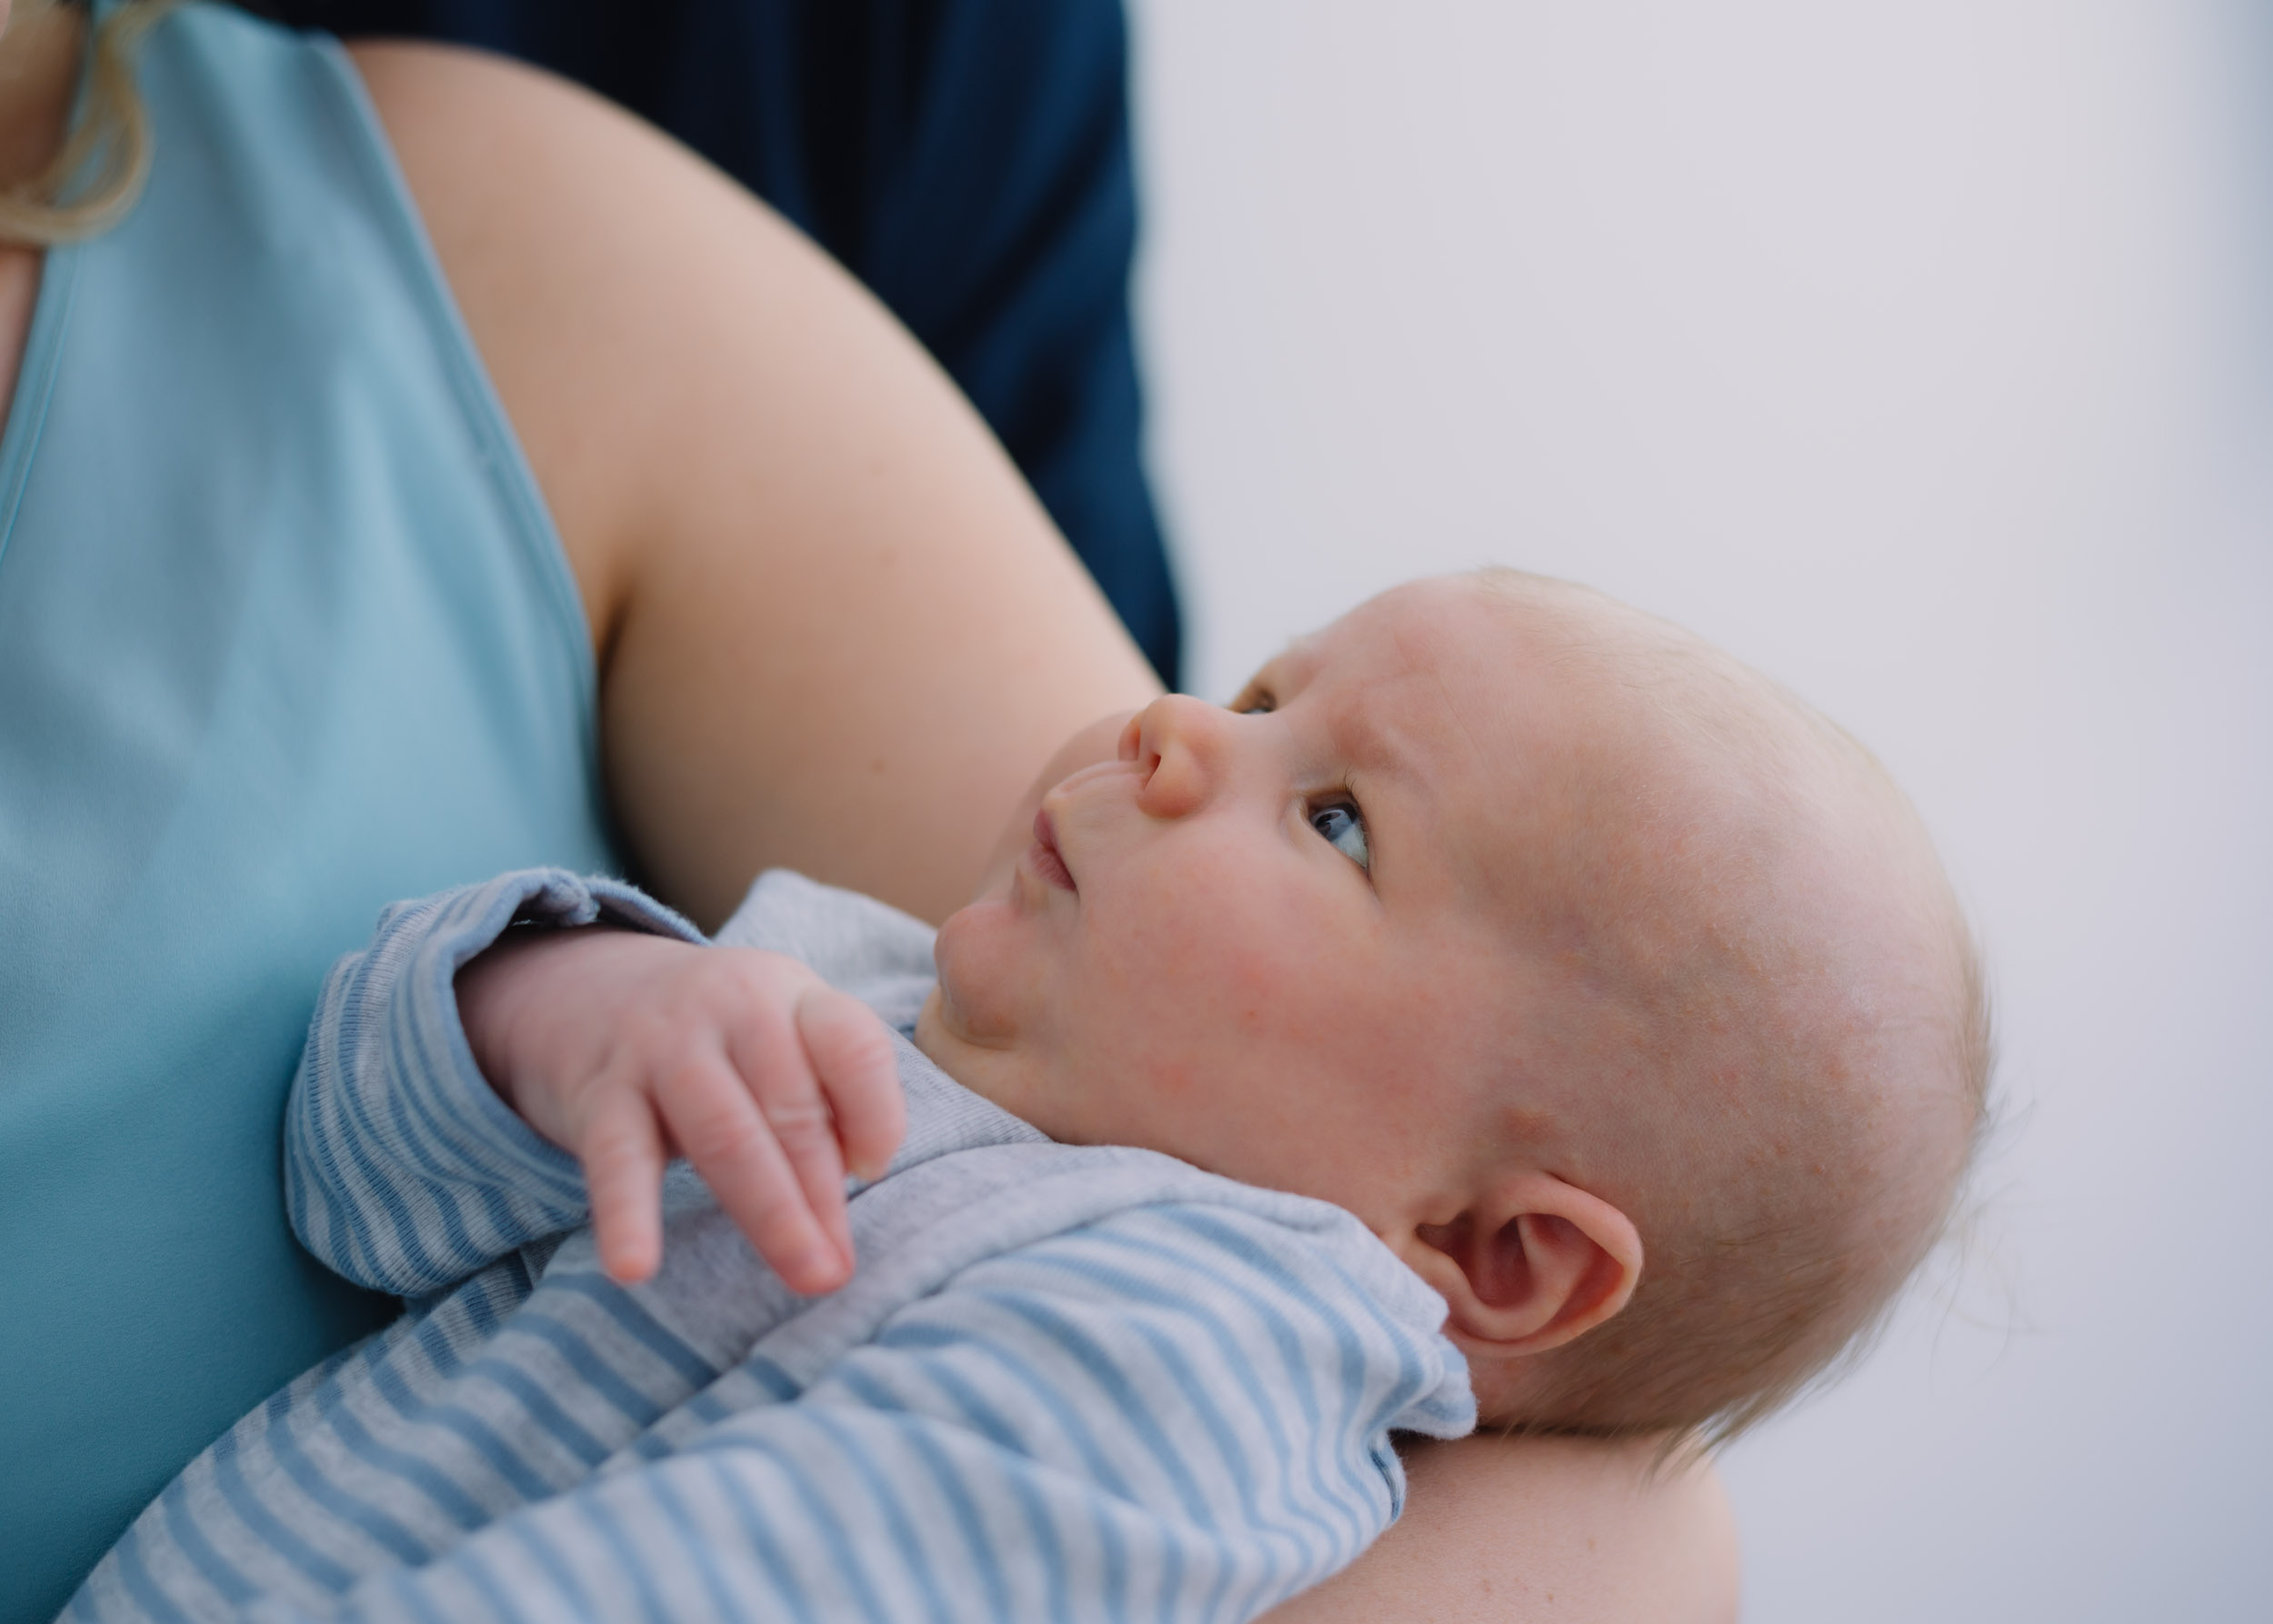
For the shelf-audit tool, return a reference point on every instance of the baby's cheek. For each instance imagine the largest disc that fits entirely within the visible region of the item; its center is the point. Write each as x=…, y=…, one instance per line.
x=1176, y=1080
x=987, y=972
x=1231, y=993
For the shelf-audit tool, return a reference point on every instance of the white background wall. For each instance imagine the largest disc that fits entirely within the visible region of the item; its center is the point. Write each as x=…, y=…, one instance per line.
x=1921, y=352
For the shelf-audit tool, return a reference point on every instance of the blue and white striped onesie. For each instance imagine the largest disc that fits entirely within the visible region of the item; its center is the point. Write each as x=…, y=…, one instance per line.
x=1066, y=1383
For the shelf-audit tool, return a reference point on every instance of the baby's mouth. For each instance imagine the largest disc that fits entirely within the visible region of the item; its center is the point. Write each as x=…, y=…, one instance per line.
x=1048, y=862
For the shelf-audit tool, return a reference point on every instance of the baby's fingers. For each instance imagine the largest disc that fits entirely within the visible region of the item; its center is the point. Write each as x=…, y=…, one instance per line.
x=623, y=1173
x=755, y=1162
x=852, y=1057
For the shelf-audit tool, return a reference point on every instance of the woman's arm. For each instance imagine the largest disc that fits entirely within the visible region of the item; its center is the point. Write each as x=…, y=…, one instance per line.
x=834, y=630
x=1503, y=1530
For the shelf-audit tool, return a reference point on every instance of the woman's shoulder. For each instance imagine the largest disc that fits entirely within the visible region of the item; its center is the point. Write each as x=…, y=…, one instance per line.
x=569, y=233
x=673, y=356
x=665, y=345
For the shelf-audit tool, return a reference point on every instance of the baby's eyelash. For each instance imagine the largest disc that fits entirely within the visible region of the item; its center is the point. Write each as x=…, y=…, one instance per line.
x=1254, y=700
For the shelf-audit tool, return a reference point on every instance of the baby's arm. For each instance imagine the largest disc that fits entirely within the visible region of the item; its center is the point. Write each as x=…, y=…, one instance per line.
x=406, y=1169
x=1180, y=1413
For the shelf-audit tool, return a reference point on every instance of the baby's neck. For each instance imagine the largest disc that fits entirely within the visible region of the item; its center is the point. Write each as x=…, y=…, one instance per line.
x=1001, y=1076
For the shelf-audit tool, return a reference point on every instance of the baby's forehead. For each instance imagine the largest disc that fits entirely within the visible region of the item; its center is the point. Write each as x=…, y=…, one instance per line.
x=1464, y=682
x=1460, y=630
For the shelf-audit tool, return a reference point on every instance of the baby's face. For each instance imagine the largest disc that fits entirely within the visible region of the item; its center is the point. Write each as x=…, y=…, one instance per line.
x=1261, y=937
x=1518, y=924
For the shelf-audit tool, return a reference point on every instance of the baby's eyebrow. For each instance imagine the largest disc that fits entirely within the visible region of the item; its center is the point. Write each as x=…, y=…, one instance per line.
x=1357, y=738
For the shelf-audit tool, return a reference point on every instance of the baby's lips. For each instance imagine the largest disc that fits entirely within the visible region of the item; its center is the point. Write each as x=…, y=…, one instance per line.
x=1048, y=861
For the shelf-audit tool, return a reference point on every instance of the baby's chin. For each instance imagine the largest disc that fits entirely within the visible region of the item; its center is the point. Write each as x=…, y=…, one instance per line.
x=974, y=956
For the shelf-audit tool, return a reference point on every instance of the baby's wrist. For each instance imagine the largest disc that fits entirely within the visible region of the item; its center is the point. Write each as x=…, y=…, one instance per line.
x=504, y=995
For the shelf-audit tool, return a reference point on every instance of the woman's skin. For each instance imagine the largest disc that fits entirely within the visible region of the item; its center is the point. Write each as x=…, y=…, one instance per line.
x=836, y=632
x=1529, y=1530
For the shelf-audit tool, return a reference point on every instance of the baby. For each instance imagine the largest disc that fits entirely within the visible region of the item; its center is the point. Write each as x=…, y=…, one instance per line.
x=1626, y=953
x=1504, y=971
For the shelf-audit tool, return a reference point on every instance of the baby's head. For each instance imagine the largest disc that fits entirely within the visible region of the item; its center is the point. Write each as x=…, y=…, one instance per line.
x=1619, y=993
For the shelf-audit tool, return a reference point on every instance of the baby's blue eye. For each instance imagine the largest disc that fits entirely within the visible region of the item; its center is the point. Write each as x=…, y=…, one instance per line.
x=1344, y=829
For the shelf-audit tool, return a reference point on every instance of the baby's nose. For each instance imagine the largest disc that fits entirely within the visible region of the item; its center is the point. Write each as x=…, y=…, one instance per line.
x=1179, y=744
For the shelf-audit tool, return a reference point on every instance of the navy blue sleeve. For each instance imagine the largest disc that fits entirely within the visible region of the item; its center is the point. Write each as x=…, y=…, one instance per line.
x=968, y=160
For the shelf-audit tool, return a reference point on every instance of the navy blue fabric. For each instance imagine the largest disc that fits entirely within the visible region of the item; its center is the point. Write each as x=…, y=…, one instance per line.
x=967, y=159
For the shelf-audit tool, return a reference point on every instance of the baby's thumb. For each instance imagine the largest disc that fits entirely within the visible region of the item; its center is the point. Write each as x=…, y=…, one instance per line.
x=851, y=1054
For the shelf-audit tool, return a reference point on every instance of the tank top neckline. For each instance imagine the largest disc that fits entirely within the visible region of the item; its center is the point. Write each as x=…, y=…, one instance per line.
x=35, y=382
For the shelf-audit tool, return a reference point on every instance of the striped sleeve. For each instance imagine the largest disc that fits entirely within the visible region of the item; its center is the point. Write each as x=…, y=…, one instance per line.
x=1180, y=1413
x=403, y=1171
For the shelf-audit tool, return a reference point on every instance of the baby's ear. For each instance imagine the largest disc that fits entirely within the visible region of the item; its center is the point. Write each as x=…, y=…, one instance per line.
x=1529, y=1266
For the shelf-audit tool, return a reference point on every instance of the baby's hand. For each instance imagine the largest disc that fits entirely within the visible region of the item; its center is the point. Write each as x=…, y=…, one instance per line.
x=627, y=1049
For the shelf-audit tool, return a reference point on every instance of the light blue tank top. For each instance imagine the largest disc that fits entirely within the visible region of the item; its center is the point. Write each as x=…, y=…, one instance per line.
x=286, y=632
